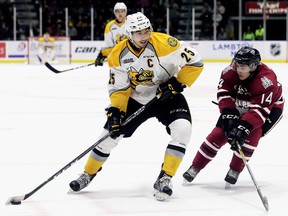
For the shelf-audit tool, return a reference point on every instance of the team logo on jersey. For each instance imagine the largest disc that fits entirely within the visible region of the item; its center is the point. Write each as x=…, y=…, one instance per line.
x=241, y=90
x=172, y=41
x=141, y=77
x=243, y=104
x=266, y=82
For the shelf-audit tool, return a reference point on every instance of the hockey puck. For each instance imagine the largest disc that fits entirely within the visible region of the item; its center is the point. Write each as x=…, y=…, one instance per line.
x=14, y=202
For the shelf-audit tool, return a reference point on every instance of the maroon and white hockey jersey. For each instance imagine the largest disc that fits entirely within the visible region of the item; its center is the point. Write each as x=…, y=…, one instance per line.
x=254, y=97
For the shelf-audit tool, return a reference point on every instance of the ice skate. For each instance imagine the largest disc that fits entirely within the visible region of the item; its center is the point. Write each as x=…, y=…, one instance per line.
x=163, y=187
x=190, y=174
x=231, y=178
x=82, y=182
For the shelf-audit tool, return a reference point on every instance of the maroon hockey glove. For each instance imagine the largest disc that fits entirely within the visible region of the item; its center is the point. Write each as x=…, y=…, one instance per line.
x=114, y=117
x=227, y=119
x=169, y=89
x=239, y=132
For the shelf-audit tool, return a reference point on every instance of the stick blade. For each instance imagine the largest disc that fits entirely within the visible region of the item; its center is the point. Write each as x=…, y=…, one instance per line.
x=16, y=200
x=49, y=66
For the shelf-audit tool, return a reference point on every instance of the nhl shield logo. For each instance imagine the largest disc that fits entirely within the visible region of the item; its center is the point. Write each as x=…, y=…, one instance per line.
x=275, y=49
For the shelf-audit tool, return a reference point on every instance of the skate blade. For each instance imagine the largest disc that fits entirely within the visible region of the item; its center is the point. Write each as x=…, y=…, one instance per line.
x=70, y=191
x=160, y=196
x=185, y=182
x=228, y=186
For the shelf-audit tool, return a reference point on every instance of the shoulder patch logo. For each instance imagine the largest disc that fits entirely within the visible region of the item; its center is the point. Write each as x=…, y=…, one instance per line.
x=172, y=41
x=266, y=82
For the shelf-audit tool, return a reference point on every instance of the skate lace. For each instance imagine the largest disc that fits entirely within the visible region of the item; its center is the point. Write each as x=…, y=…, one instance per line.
x=165, y=181
x=84, y=179
x=233, y=174
x=193, y=172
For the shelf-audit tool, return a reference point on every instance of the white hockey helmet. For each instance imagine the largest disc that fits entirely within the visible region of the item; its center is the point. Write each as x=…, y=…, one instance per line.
x=136, y=22
x=46, y=36
x=120, y=6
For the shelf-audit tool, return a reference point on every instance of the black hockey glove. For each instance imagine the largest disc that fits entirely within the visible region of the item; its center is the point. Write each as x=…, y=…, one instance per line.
x=227, y=119
x=114, y=117
x=169, y=89
x=239, y=132
x=100, y=59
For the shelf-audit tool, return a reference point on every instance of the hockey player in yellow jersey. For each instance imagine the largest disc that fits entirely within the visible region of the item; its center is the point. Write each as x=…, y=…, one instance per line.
x=143, y=66
x=114, y=32
x=46, y=48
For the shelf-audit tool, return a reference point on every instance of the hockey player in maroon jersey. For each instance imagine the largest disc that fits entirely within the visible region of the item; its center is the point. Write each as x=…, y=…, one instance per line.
x=251, y=103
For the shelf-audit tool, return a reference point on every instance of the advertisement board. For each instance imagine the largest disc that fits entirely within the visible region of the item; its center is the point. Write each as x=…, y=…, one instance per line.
x=85, y=51
x=2, y=50
x=223, y=51
x=272, y=7
x=211, y=51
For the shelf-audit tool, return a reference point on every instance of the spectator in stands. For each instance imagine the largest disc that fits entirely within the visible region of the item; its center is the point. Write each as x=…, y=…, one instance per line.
x=174, y=18
x=248, y=35
x=259, y=32
x=207, y=24
x=221, y=12
x=230, y=30
x=31, y=30
x=222, y=35
x=220, y=8
x=207, y=7
x=6, y=20
x=157, y=14
x=72, y=31
x=4, y=32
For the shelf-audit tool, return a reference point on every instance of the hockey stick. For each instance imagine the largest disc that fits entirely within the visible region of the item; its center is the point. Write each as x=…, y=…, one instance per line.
x=50, y=67
x=16, y=200
x=263, y=198
x=214, y=102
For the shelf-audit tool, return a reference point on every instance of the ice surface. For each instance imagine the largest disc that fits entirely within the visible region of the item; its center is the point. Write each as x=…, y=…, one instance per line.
x=48, y=119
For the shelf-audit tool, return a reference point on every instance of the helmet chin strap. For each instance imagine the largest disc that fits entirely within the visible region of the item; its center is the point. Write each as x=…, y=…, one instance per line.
x=134, y=46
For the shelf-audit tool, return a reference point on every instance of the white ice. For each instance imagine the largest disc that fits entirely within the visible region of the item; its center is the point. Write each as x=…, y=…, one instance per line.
x=47, y=120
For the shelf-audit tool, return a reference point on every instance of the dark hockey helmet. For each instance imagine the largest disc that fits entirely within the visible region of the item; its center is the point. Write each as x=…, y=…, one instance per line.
x=248, y=56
